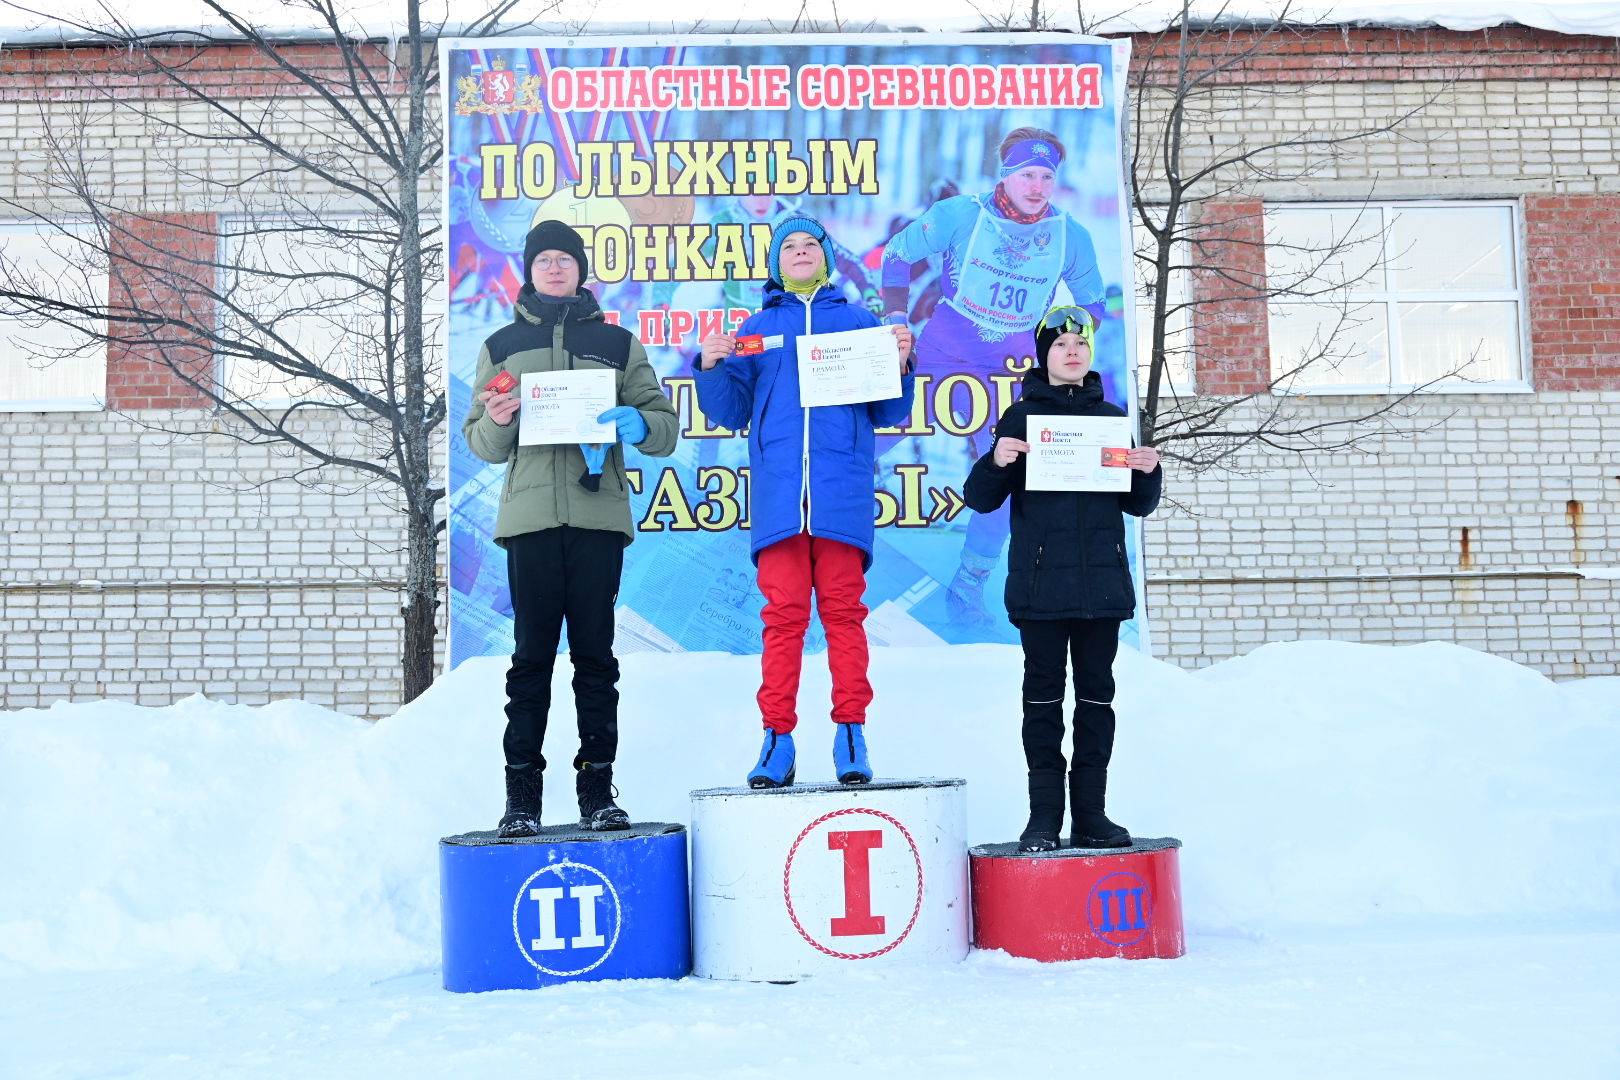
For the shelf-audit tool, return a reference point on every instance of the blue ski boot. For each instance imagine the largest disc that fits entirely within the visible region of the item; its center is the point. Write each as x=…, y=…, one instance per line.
x=849, y=754
x=775, y=768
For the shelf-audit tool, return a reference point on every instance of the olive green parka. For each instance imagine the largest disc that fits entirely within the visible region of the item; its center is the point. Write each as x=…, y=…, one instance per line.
x=542, y=489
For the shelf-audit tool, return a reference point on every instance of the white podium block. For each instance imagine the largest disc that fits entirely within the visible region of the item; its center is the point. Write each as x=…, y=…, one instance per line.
x=791, y=882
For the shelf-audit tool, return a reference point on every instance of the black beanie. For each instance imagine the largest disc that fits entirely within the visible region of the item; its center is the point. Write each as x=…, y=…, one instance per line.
x=1043, y=343
x=554, y=236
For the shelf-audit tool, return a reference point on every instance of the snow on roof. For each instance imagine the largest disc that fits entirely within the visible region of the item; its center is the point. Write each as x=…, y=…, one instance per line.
x=1602, y=19
x=383, y=19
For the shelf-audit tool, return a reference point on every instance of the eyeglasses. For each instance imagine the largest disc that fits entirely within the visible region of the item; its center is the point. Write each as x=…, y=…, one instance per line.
x=561, y=262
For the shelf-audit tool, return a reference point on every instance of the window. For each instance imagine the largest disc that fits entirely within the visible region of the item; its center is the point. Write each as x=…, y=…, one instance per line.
x=309, y=291
x=1178, y=344
x=293, y=289
x=1387, y=297
x=46, y=366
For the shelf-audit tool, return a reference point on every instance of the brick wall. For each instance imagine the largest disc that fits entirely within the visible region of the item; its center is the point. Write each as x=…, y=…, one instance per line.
x=1508, y=113
x=1562, y=627
x=1229, y=332
x=333, y=645
x=1531, y=478
x=149, y=366
x=1380, y=54
x=87, y=73
x=195, y=516
x=1572, y=244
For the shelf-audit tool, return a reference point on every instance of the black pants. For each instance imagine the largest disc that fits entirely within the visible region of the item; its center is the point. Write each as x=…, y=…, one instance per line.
x=555, y=574
x=1049, y=647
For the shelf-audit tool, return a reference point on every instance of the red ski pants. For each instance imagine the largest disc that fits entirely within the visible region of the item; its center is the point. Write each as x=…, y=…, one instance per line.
x=788, y=571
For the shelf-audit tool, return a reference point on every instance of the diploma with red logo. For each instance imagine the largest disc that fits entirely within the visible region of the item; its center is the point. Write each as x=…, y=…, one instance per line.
x=562, y=407
x=1077, y=453
x=849, y=368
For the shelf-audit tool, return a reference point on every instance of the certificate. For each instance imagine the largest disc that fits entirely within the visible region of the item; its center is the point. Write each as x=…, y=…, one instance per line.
x=849, y=368
x=562, y=407
x=1077, y=453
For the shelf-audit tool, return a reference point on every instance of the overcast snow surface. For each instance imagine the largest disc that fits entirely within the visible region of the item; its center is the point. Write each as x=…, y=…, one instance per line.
x=1398, y=862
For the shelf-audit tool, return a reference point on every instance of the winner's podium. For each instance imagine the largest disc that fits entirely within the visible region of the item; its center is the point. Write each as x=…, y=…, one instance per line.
x=1078, y=903
x=568, y=905
x=796, y=881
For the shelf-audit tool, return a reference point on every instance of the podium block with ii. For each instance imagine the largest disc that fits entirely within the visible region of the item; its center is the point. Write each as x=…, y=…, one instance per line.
x=791, y=882
x=567, y=905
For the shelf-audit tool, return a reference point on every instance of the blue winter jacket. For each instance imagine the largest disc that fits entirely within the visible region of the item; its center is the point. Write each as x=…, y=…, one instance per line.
x=810, y=467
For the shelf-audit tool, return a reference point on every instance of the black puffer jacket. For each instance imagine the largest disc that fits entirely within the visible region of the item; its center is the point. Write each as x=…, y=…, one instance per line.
x=1067, y=559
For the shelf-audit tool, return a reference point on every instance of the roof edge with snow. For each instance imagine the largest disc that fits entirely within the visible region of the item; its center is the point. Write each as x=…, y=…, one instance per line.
x=1596, y=19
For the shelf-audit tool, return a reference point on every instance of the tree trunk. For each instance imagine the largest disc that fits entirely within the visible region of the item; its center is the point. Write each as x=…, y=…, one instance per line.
x=421, y=606
x=422, y=537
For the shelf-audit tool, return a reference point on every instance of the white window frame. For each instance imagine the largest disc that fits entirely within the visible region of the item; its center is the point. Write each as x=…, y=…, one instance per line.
x=1180, y=294
x=1390, y=299
x=91, y=403
x=435, y=302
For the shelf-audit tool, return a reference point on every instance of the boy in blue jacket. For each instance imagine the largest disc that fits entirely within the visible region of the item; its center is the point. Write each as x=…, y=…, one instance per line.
x=810, y=493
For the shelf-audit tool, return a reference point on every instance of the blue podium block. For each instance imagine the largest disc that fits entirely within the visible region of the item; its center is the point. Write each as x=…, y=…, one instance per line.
x=568, y=905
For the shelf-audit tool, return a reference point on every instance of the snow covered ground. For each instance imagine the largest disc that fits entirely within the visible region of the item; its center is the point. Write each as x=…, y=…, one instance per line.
x=1398, y=861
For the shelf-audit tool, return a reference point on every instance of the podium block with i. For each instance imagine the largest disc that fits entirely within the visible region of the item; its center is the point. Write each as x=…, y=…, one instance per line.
x=791, y=882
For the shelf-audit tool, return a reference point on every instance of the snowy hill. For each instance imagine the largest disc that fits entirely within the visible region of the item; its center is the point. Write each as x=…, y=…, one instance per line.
x=1313, y=783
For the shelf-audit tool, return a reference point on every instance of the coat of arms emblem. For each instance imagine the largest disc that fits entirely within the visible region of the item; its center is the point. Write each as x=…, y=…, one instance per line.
x=498, y=90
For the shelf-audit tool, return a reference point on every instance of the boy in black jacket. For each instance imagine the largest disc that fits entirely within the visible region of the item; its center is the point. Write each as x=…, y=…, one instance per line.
x=1068, y=586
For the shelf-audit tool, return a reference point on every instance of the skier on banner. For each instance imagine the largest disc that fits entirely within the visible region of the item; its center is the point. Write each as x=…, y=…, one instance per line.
x=1068, y=586
x=810, y=492
x=1005, y=253
x=924, y=284
x=564, y=520
x=747, y=210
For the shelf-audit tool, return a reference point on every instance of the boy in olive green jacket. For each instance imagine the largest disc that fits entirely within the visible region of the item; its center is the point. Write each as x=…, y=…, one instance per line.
x=564, y=521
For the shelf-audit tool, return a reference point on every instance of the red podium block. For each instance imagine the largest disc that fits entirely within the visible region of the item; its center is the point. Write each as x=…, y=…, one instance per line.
x=1078, y=903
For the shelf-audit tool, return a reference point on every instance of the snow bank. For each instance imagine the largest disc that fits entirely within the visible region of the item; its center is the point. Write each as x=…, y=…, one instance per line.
x=1312, y=782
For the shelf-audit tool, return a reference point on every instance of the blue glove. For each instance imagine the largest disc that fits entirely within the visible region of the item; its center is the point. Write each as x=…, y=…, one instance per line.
x=594, y=456
x=632, y=428
x=591, y=479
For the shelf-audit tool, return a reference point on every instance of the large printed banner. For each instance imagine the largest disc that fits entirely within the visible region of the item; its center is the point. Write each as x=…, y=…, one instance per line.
x=675, y=157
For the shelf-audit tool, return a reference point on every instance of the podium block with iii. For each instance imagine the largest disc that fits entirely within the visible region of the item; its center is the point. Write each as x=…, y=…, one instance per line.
x=568, y=905
x=1077, y=903
x=795, y=881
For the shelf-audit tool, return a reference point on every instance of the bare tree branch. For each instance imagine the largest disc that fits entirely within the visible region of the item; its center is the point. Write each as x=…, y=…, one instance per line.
x=284, y=283
x=1188, y=159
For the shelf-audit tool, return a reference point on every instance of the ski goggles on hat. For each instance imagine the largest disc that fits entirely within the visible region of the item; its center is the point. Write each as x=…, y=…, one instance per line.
x=1021, y=155
x=1069, y=319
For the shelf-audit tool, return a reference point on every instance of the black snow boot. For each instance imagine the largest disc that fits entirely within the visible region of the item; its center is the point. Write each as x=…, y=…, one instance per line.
x=523, y=788
x=1089, y=827
x=594, y=786
x=1045, y=811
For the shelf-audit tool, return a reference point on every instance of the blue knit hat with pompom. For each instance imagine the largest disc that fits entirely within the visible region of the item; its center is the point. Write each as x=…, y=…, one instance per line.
x=798, y=223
